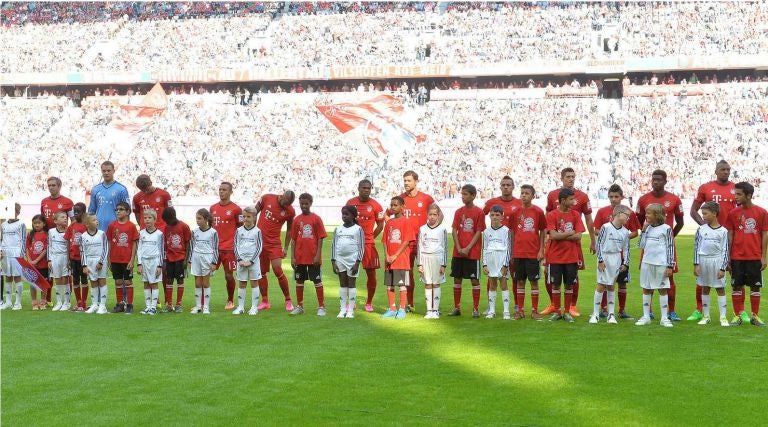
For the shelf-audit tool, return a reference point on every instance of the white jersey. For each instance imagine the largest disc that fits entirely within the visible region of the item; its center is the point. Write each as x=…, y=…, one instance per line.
x=248, y=243
x=14, y=234
x=497, y=242
x=432, y=242
x=711, y=243
x=57, y=244
x=94, y=248
x=658, y=247
x=612, y=241
x=205, y=242
x=151, y=245
x=348, y=243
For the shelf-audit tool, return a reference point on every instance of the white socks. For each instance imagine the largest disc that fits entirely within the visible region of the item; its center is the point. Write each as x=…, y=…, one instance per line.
x=647, y=305
x=207, y=295
x=505, y=300
x=103, y=290
x=94, y=295
x=241, y=298
x=721, y=304
x=491, y=302
x=428, y=297
x=597, y=302
x=611, y=301
x=664, y=303
x=436, y=299
x=198, y=296
x=19, y=292
x=255, y=294
x=351, y=298
x=343, y=298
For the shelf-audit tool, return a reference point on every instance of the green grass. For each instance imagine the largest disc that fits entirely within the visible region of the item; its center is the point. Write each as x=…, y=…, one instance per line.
x=67, y=368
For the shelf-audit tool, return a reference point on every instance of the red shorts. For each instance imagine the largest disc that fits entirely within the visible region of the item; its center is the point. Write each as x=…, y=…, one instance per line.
x=228, y=260
x=371, y=257
x=268, y=253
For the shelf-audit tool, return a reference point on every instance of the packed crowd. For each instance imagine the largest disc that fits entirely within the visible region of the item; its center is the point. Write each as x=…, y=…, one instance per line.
x=128, y=36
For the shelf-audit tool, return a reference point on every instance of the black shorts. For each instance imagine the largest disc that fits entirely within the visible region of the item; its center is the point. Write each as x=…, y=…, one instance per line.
x=44, y=272
x=78, y=277
x=302, y=273
x=121, y=272
x=465, y=268
x=623, y=278
x=746, y=273
x=175, y=270
x=563, y=274
x=396, y=278
x=527, y=269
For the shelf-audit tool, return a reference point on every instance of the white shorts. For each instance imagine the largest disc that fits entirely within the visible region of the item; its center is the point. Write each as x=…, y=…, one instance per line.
x=495, y=261
x=149, y=270
x=93, y=274
x=253, y=272
x=9, y=267
x=431, y=264
x=59, y=266
x=612, y=266
x=345, y=264
x=201, y=264
x=652, y=276
x=710, y=266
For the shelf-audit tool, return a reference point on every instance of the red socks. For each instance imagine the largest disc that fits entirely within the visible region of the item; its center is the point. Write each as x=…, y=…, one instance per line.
x=391, y=298
x=671, y=293
x=475, y=297
x=263, y=286
x=520, y=298
x=230, y=287
x=168, y=293
x=320, y=295
x=179, y=294
x=457, y=297
x=370, y=284
x=404, y=297
x=699, y=305
x=300, y=295
x=534, y=300
x=119, y=293
x=754, y=302
x=129, y=290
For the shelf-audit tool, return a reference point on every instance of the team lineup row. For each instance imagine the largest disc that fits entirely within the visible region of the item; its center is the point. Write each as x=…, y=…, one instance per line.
x=733, y=235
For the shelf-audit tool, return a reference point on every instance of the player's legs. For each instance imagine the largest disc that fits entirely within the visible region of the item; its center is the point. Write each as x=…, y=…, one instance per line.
x=229, y=264
x=504, y=297
x=492, y=284
x=277, y=268
x=722, y=306
x=263, y=282
x=598, y=300
x=370, y=284
x=671, y=293
x=550, y=308
x=611, y=300
x=704, y=290
x=343, y=294
x=351, y=286
x=411, y=282
x=316, y=277
x=698, y=313
x=429, y=300
x=241, y=289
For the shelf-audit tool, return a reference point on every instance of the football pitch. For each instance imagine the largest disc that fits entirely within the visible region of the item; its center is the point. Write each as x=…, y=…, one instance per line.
x=274, y=369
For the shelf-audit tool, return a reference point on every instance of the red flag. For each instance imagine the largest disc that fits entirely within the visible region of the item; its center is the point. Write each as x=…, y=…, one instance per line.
x=136, y=117
x=31, y=275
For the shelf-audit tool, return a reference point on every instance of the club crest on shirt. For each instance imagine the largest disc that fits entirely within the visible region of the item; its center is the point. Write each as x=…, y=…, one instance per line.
x=750, y=226
x=419, y=204
x=122, y=239
x=527, y=224
x=395, y=236
x=38, y=247
x=306, y=231
x=369, y=209
x=567, y=226
x=666, y=204
x=60, y=206
x=468, y=224
x=175, y=240
x=157, y=200
x=229, y=212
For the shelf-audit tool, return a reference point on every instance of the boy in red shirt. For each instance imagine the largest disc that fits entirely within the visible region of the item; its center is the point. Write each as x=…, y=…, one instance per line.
x=748, y=240
x=529, y=228
x=73, y=234
x=177, y=236
x=468, y=226
x=565, y=228
x=307, y=234
x=122, y=237
x=397, y=236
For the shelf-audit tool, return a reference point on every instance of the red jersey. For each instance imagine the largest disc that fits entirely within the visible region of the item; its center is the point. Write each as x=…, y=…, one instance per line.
x=564, y=251
x=226, y=219
x=368, y=214
x=509, y=208
x=177, y=239
x=306, y=233
x=122, y=238
x=722, y=194
x=37, y=245
x=396, y=231
x=672, y=206
x=580, y=202
x=271, y=219
x=748, y=226
x=527, y=223
x=73, y=234
x=157, y=200
x=467, y=222
x=50, y=206
x=604, y=214
x=416, y=208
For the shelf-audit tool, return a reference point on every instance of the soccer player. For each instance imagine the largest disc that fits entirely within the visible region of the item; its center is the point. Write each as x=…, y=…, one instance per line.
x=150, y=255
x=274, y=211
x=529, y=229
x=203, y=259
x=748, y=242
x=122, y=236
x=227, y=216
x=13, y=235
x=370, y=216
x=150, y=197
x=658, y=260
x=673, y=208
x=602, y=217
x=509, y=203
x=432, y=258
x=36, y=254
x=710, y=260
x=74, y=236
x=95, y=253
x=496, y=249
x=177, y=236
x=415, y=211
x=565, y=228
x=55, y=202
x=612, y=259
x=248, y=243
x=106, y=195
x=58, y=261
x=307, y=234
x=581, y=205
x=720, y=191
x=347, y=252
x=397, y=238
x=468, y=226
